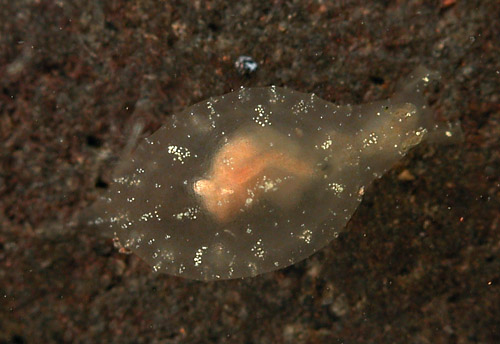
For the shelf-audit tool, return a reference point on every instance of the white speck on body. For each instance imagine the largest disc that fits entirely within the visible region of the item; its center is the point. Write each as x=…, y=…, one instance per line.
x=306, y=236
x=189, y=214
x=258, y=249
x=198, y=256
x=180, y=153
x=336, y=188
x=262, y=118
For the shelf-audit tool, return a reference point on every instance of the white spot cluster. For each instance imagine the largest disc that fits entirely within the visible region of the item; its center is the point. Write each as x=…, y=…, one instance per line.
x=228, y=161
x=167, y=255
x=197, y=257
x=275, y=97
x=303, y=107
x=336, y=188
x=127, y=181
x=258, y=249
x=125, y=225
x=119, y=218
x=189, y=214
x=327, y=143
x=150, y=215
x=306, y=236
x=121, y=180
x=179, y=153
x=372, y=139
x=212, y=113
x=135, y=182
x=157, y=267
x=262, y=118
x=243, y=95
x=269, y=185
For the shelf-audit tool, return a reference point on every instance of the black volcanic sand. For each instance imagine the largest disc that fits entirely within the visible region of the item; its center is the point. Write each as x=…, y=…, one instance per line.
x=420, y=259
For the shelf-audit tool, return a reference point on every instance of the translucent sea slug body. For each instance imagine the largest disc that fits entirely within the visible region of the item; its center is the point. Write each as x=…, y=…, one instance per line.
x=257, y=179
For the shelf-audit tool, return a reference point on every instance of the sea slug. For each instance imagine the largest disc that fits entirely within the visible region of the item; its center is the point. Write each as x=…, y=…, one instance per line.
x=258, y=179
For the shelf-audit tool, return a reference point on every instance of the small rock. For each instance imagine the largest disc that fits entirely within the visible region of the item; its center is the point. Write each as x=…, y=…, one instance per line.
x=245, y=65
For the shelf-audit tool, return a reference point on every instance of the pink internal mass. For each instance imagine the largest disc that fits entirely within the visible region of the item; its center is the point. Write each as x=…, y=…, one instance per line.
x=238, y=170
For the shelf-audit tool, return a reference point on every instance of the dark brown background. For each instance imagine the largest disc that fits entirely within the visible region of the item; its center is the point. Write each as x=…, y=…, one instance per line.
x=420, y=260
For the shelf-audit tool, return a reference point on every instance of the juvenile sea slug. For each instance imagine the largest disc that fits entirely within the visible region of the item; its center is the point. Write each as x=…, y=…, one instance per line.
x=258, y=179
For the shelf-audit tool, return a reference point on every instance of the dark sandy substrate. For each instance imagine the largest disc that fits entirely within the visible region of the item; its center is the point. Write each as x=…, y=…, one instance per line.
x=419, y=261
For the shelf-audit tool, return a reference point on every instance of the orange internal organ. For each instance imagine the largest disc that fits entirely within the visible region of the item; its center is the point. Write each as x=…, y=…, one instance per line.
x=237, y=171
